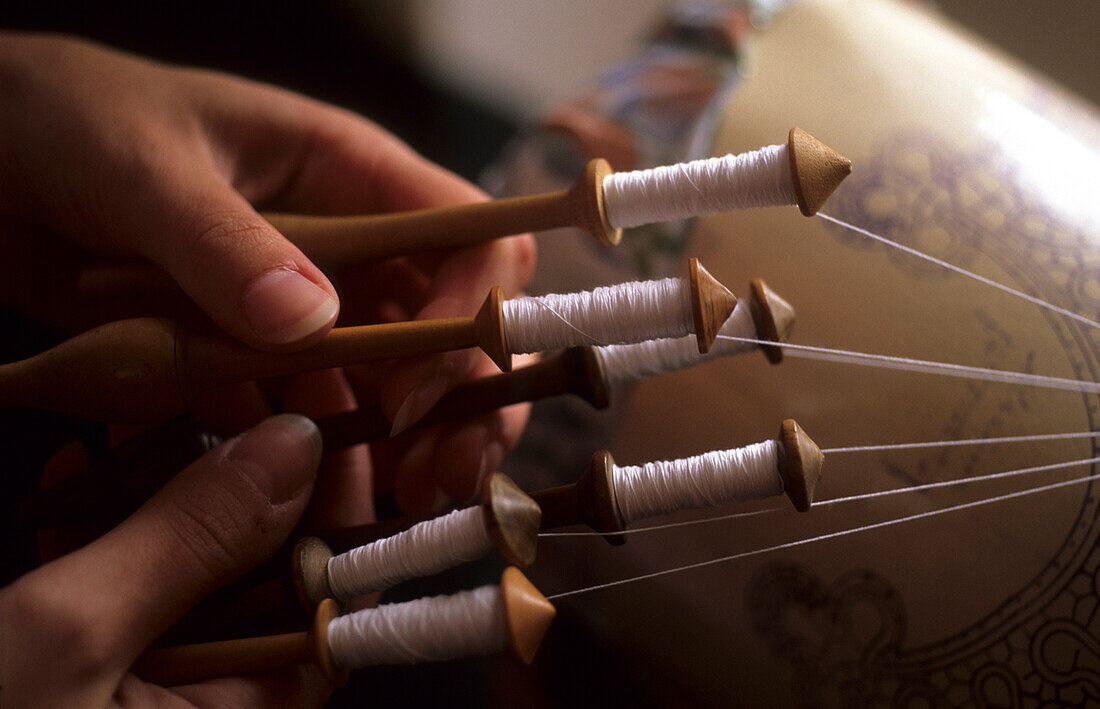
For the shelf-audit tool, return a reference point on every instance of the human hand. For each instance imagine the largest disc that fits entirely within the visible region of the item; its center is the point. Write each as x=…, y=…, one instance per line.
x=118, y=155
x=72, y=628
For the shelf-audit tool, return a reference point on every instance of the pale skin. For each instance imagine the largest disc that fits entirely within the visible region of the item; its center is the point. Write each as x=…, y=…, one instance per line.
x=106, y=153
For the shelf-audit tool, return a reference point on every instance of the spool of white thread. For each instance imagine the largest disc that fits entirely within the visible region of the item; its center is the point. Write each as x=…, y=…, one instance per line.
x=424, y=549
x=425, y=630
x=710, y=479
x=627, y=363
x=627, y=312
x=759, y=178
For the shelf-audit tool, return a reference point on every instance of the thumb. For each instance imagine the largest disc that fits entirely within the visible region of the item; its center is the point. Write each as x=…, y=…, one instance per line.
x=246, y=276
x=223, y=515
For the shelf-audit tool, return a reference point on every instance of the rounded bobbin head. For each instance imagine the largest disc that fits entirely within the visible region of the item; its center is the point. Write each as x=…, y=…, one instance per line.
x=816, y=170
x=773, y=317
x=489, y=323
x=596, y=499
x=711, y=304
x=512, y=519
x=317, y=637
x=527, y=614
x=800, y=462
x=586, y=199
x=309, y=572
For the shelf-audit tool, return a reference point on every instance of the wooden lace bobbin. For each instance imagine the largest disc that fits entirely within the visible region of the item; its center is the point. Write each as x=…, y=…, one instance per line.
x=527, y=617
x=512, y=615
x=576, y=370
x=593, y=499
x=149, y=369
x=334, y=241
x=511, y=522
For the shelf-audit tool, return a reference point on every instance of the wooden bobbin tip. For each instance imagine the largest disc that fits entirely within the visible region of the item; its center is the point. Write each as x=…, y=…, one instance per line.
x=489, y=324
x=586, y=198
x=309, y=572
x=816, y=170
x=773, y=317
x=711, y=304
x=318, y=640
x=512, y=519
x=527, y=614
x=800, y=462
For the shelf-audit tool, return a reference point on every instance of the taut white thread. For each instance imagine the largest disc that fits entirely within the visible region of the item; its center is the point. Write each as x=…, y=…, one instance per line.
x=710, y=479
x=760, y=178
x=969, y=274
x=425, y=630
x=626, y=363
x=963, y=442
x=919, y=365
x=627, y=312
x=831, y=535
x=424, y=549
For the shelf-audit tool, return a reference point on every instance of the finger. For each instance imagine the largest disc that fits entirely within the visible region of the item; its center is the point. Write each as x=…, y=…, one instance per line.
x=412, y=386
x=221, y=516
x=343, y=495
x=301, y=686
x=249, y=279
x=465, y=452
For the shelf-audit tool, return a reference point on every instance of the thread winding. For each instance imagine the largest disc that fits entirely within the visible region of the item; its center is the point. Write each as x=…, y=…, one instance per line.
x=627, y=312
x=424, y=630
x=760, y=178
x=706, y=480
x=627, y=363
x=424, y=549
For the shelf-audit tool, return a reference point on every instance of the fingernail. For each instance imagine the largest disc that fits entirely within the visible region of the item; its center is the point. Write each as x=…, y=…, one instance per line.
x=419, y=402
x=282, y=455
x=283, y=306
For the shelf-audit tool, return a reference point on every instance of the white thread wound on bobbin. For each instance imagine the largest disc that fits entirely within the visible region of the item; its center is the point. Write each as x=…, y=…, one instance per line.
x=627, y=363
x=760, y=178
x=425, y=630
x=705, y=480
x=627, y=312
x=424, y=549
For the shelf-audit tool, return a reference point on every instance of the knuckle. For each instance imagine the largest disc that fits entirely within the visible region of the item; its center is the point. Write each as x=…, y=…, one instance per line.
x=213, y=528
x=218, y=237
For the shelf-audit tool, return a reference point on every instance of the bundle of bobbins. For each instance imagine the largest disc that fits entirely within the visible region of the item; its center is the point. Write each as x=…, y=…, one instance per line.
x=149, y=369
x=143, y=464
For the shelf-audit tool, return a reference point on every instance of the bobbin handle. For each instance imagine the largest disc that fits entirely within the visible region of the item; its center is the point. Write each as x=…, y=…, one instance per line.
x=574, y=371
x=337, y=241
x=227, y=658
x=150, y=369
x=122, y=371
